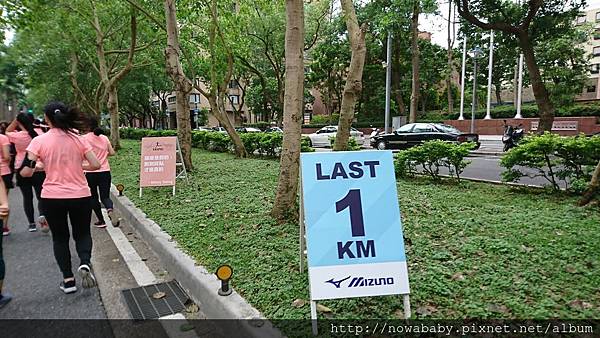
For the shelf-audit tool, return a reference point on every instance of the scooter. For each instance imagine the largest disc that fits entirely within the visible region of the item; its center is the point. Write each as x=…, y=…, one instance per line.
x=375, y=132
x=512, y=136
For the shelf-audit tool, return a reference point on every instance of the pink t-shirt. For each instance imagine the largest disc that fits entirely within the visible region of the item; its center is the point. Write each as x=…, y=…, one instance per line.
x=21, y=140
x=4, y=162
x=63, y=154
x=99, y=145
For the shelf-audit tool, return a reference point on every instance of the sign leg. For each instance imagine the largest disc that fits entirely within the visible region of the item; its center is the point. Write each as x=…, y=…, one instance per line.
x=173, y=190
x=406, y=301
x=313, y=317
x=140, y=192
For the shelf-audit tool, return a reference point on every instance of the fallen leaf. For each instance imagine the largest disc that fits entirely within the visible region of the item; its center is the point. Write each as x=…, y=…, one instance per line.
x=526, y=248
x=458, y=276
x=186, y=327
x=399, y=314
x=480, y=253
x=570, y=269
x=579, y=304
x=426, y=310
x=298, y=303
x=498, y=308
x=188, y=201
x=115, y=260
x=159, y=295
x=202, y=225
x=192, y=308
x=323, y=309
x=209, y=212
x=559, y=233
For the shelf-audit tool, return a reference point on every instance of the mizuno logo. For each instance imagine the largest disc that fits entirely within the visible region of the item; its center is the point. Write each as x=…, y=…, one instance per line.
x=362, y=281
x=337, y=283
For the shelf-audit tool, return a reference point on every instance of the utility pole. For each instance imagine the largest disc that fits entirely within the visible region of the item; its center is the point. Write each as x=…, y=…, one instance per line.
x=388, y=82
x=462, y=80
x=520, y=88
x=476, y=53
x=488, y=114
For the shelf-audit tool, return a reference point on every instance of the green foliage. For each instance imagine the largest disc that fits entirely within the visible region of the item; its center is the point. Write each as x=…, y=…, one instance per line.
x=556, y=158
x=305, y=145
x=466, y=260
x=431, y=156
x=325, y=119
x=352, y=144
x=262, y=144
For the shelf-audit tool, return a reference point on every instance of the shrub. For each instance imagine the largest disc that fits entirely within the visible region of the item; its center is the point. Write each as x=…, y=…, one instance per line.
x=556, y=158
x=352, y=144
x=305, y=145
x=266, y=144
x=325, y=119
x=431, y=156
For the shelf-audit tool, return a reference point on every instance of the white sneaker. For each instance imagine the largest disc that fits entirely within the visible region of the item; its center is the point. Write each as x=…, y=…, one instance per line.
x=43, y=224
x=87, y=277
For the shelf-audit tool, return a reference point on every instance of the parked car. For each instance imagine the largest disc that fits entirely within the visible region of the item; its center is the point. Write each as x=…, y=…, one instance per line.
x=247, y=130
x=320, y=138
x=414, y=134
x=273, y=130
x=219, y=129
x=204, y=128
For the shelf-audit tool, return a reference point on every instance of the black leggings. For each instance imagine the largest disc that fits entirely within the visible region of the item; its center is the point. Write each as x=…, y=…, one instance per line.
x=79, y=212
x=2, y=268
x=29, y=185
x=100, y=181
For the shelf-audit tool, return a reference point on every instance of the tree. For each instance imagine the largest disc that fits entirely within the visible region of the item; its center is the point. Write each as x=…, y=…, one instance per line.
x=353, y=87
x=530, y=23
x=593, y=188
x=287, y=186
x=183, y=85
x=414, y=29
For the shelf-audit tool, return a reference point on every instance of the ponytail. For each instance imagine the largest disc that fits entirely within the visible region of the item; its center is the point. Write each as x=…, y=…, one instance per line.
x=94, y=127
x=27, y=123
x=68, y=119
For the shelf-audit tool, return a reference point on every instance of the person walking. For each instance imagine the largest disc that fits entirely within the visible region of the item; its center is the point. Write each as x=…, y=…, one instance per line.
x=65, y=193
x=5, y=297
x=28, y=185
x=5, y=170
x=99, y=180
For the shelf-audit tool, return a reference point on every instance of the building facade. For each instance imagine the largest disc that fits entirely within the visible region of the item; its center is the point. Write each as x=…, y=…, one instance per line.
x=591, y=90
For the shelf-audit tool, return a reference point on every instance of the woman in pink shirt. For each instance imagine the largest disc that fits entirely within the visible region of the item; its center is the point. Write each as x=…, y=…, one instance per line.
x=99, y=180
x=65, y=194
x=5, y=170
x=27, y=185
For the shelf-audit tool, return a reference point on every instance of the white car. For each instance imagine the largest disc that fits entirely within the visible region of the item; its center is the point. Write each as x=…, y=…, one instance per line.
x=320, y=138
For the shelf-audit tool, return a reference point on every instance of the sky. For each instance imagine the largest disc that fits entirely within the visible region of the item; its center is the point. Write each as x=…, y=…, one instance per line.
x=437, y=24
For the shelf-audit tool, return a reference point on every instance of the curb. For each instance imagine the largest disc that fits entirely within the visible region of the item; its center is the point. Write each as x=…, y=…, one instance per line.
x=512, y=184
x=485, y=153
x=200, y=284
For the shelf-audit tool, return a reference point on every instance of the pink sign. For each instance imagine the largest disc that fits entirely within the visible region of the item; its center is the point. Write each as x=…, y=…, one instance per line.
x=157, y=165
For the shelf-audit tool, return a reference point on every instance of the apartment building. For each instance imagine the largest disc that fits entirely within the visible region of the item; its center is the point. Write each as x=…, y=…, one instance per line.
x=237, y=111
x=591, y=90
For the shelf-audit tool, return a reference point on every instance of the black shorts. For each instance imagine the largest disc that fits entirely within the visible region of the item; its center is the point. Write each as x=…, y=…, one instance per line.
x=8, y=181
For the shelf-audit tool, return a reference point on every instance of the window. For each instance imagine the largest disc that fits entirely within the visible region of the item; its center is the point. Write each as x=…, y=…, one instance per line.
x=597, y=16
x=422, y=128
x=405, y=128
x=597, y=34
x=235, y=99
x=581, y=19
x=172, y=99
x=597, y=51
x=444, y=128
x=194, y=98
x=595, y=68
x=233, y=84
x=591, y=89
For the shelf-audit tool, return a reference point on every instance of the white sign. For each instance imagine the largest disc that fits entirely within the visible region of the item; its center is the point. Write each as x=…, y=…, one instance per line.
x=353, y=227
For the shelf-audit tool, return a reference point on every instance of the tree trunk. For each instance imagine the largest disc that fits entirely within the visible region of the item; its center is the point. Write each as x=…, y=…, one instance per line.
x=218, y=110
x=545, y=106
x=287, y=187
x=397, y=77
x=498, y=94
x=182, y=84
x=414, y=96
x=353, y=85
x=112, y=104
x=450, y=62
x=593, y=188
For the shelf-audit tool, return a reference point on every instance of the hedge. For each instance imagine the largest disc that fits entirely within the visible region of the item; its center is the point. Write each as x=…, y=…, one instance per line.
x=261, y=144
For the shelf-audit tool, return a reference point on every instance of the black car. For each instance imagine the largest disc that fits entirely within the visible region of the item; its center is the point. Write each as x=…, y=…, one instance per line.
x=414, y=134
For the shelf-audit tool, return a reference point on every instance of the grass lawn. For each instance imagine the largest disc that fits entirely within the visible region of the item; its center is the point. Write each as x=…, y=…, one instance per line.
x=474, y=250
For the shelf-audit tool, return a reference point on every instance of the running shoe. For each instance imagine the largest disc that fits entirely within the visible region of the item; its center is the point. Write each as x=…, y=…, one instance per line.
x=32, y=227
x=114, y=217
x=43, y=224
x=5, y=231
x=87, y=277
x=68, y=287
x=5, y=298
x=100, y=225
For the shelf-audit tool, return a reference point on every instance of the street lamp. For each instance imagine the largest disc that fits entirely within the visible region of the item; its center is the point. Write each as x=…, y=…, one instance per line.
x=476, y=53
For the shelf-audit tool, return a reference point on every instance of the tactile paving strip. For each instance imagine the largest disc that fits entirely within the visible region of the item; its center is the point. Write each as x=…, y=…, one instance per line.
x=143, y=306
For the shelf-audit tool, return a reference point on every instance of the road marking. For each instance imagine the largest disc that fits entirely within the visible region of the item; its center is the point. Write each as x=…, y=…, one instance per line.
x=143, y=276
